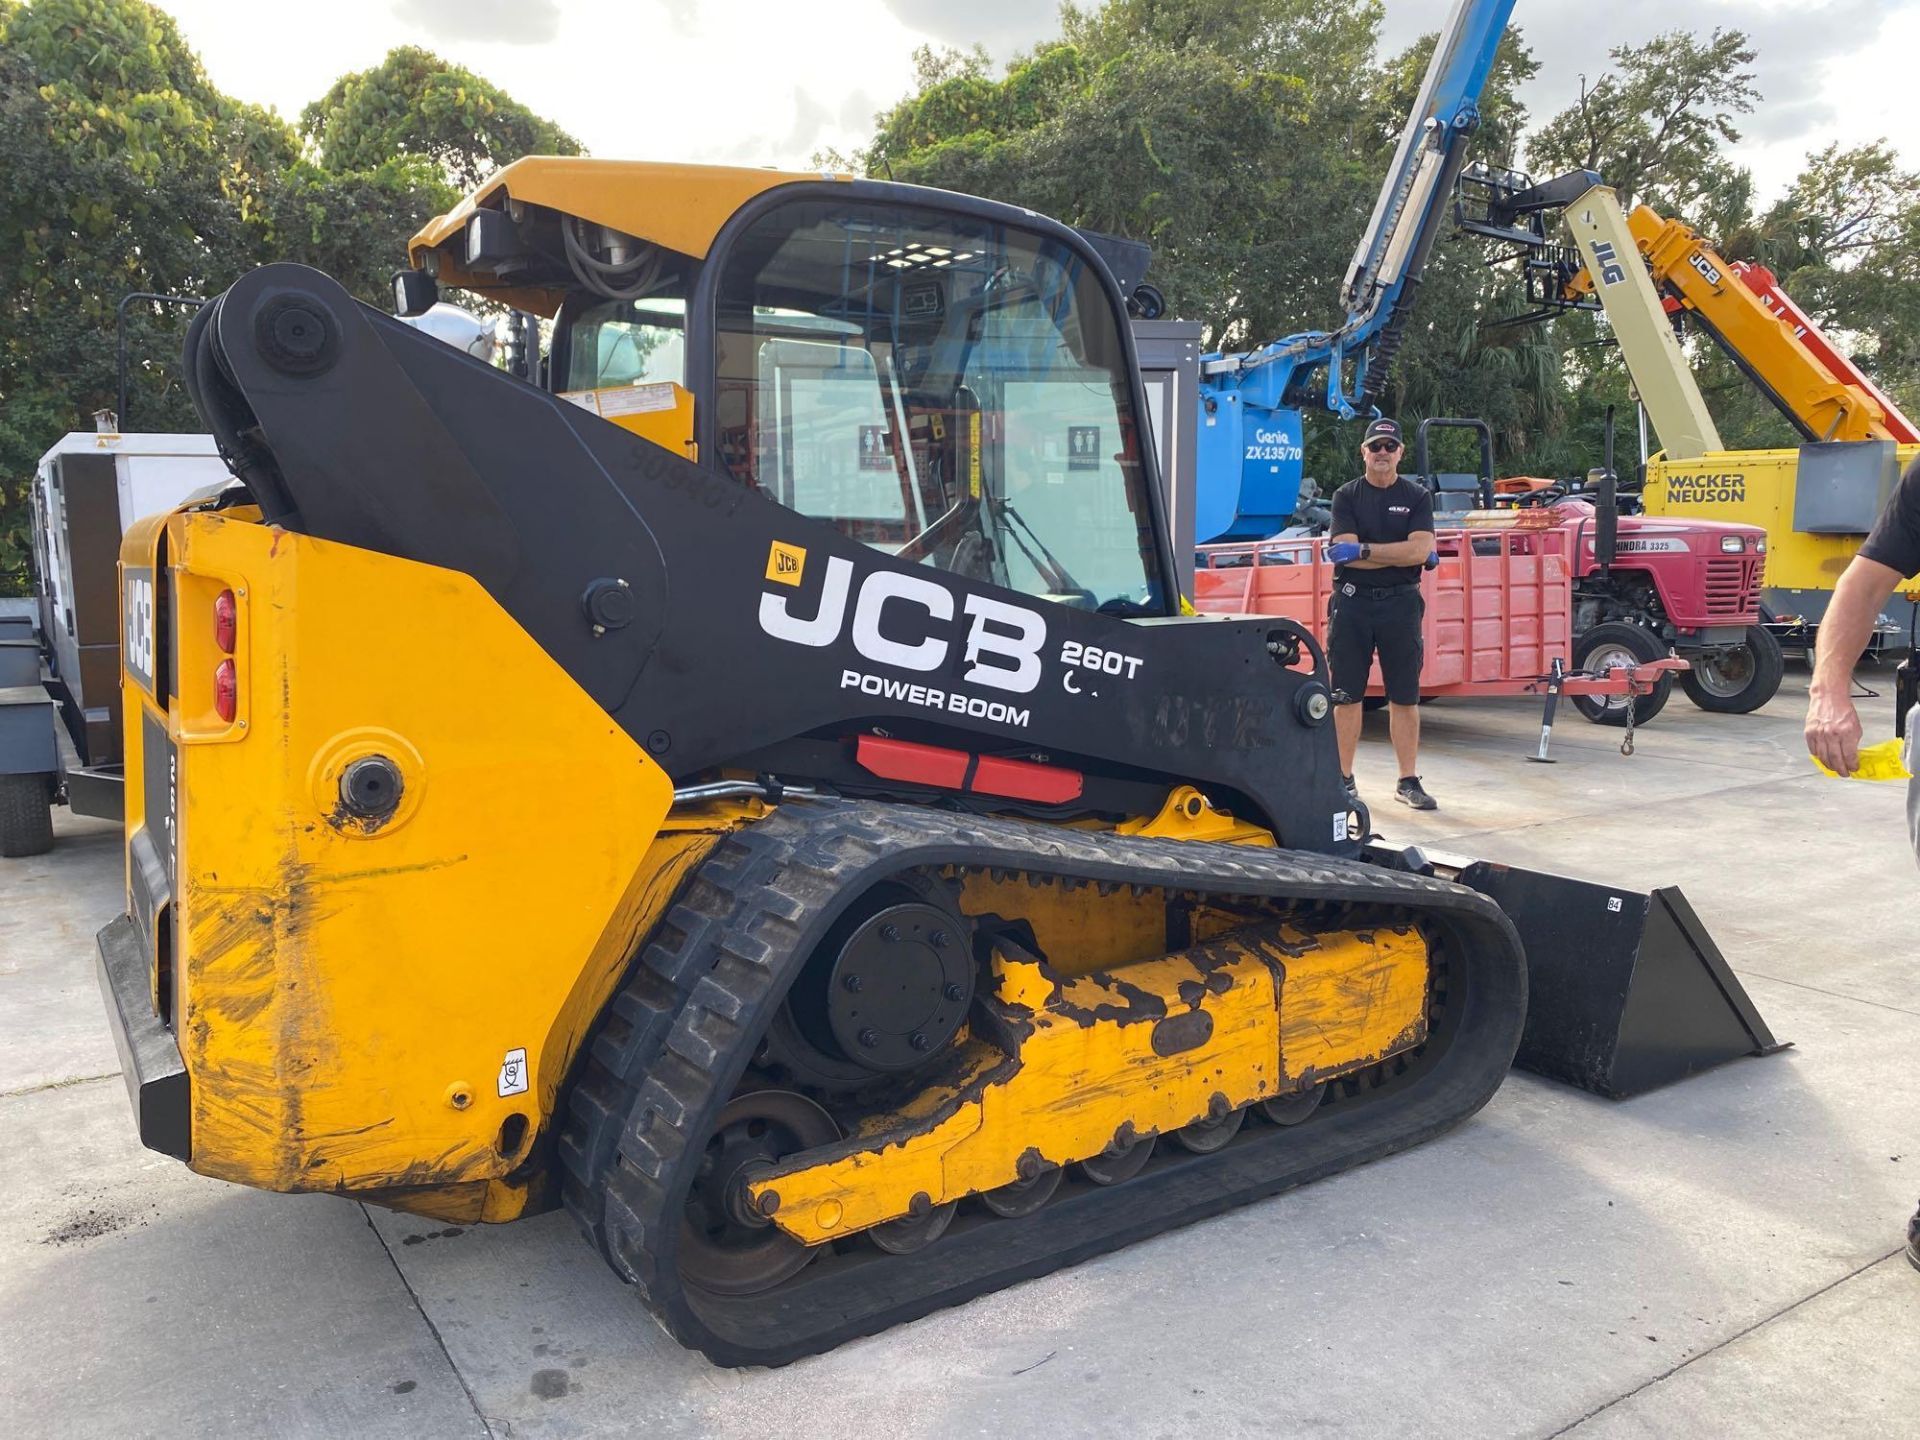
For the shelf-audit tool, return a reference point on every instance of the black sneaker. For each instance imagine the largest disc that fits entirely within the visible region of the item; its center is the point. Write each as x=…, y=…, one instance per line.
x=1353, y=790
x=1913, y=1240
x=1408, y=792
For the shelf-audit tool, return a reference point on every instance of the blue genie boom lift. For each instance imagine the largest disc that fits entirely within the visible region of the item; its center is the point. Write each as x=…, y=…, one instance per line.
x=1251, y=445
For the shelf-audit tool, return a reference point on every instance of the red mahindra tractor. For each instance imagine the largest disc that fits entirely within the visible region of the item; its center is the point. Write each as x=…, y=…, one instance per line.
x=1643, y=585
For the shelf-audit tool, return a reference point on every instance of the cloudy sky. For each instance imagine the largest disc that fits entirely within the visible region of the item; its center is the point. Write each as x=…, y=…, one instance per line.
x=766, y=82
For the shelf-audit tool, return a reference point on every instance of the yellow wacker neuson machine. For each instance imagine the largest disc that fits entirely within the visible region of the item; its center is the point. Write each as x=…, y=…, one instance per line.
x=759, y=788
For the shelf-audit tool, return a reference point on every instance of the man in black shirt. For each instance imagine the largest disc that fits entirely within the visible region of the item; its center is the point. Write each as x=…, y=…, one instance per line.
x=1382, y=535
x=1891, y=554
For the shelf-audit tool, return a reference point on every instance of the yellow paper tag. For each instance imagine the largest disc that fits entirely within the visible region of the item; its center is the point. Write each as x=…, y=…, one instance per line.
x=1876, y=762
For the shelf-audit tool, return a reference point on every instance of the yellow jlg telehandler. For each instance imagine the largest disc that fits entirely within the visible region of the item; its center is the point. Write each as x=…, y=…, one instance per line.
x=760, y=789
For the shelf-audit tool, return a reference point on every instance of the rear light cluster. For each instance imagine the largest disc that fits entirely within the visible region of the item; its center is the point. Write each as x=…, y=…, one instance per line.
x=226, y=678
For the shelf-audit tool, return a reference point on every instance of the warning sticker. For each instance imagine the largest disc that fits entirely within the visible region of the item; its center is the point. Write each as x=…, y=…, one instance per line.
x=638, y=399
x=1083, y=447
x=513, y=1073
x=1340, y=826
x=874, y=454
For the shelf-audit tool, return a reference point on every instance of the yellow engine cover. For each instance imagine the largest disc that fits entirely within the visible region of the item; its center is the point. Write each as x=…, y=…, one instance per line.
x=367, y=1008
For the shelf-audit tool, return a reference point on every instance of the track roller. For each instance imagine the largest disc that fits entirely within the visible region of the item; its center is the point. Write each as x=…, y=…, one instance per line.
x=1294, y=1109
x=1121, y=1162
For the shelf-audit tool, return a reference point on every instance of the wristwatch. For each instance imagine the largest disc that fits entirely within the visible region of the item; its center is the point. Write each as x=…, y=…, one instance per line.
x=1366, y=551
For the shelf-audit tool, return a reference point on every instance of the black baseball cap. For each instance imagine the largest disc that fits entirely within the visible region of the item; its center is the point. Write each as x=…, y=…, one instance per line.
x=1381, y=428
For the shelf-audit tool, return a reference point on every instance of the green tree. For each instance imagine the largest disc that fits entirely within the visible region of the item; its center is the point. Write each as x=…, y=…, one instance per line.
x=415, y=103
x=1197, y=126
x=1658, y=127
x=126, y=170
x=1659, y=124
x=1845, y=241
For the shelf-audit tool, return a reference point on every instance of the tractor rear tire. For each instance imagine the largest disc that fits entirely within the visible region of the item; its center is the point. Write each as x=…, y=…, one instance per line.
x=26, y=816
x=1739, y=680
x=1615, y=641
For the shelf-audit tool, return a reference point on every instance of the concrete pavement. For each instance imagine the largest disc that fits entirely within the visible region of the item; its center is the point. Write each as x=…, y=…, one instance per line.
x=1716, y=1258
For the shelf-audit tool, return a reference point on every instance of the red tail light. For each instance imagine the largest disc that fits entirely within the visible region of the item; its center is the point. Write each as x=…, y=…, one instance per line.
x=224, y=622
x=226, y=691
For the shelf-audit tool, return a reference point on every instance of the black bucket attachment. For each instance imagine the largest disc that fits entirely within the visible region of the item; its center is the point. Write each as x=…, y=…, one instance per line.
x=1626, y=990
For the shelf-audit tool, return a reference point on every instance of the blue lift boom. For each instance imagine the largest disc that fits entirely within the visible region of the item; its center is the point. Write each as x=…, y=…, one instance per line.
x=1251, y=446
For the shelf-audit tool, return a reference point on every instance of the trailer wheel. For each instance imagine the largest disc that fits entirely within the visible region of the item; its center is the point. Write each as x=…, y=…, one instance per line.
x=26, y=816
x=1613, y=645
x=1738, y=680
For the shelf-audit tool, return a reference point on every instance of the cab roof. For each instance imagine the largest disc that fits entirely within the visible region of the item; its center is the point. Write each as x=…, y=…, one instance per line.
x=679, y=207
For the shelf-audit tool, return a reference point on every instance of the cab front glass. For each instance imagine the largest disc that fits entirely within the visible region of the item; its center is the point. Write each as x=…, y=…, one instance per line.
x=942, y=386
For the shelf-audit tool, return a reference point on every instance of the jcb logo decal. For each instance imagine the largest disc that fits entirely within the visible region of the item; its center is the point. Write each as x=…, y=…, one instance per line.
x=786, y=563
x=136, y=644
x=898, y=620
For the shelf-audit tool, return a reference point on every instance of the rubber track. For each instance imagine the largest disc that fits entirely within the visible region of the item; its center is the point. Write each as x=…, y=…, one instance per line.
x=682, y=1030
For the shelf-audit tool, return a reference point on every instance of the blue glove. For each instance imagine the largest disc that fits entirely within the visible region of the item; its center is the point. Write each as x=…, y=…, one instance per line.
x=1343, y=551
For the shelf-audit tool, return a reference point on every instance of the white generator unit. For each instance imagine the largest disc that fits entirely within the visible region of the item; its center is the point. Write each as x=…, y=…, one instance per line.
x=60, y=672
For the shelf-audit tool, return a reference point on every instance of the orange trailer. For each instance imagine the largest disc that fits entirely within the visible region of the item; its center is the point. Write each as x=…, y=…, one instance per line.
x=1499, y=615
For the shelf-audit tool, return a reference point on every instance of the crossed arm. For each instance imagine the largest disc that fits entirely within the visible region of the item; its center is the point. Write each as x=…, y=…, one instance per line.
x=1413, y=550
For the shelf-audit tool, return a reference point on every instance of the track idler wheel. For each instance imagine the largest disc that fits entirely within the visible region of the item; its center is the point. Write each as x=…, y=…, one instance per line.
x=726, y=1246
x=914, y=1232
x=1293, y=1109
x=1122, y=1161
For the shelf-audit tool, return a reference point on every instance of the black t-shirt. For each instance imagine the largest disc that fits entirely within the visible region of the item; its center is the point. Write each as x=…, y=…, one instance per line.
x=1895, y=541
x=1381, y=516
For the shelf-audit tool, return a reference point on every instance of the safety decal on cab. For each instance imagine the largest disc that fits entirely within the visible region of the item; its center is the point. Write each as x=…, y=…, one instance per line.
x=513, y=1073
x=874, y=451
x=1083, y=447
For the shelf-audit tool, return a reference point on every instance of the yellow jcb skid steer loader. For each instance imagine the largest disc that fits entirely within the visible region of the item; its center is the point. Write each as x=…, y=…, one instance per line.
x=759, y=788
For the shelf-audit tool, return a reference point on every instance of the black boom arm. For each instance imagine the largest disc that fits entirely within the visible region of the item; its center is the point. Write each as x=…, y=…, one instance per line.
x=708, y=620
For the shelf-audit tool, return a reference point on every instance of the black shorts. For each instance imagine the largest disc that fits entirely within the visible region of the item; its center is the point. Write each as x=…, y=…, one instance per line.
x=1384, y=619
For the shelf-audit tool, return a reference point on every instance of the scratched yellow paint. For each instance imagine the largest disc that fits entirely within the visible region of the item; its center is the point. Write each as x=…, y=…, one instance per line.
x=1078, y=929
x=1087, y=1064
x=346, y=1001
x=1342, y=1004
